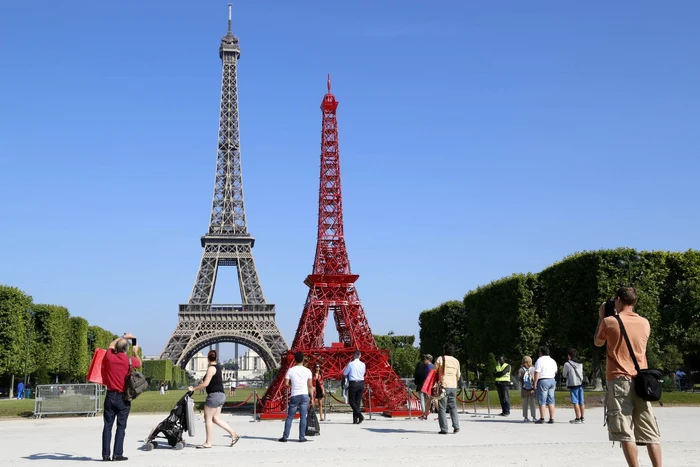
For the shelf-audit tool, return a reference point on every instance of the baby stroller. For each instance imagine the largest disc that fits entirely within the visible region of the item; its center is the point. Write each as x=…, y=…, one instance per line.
x=173, y=427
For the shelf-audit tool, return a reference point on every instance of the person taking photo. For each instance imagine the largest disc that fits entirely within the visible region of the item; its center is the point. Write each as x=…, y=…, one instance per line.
x=630, y=419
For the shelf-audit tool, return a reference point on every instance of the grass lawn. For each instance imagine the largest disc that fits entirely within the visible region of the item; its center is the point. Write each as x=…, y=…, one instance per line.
x=148, y=402
x=153, y=402
x=593, y=399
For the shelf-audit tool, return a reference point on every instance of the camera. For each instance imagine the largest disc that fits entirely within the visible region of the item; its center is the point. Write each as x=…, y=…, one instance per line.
x=610, y=307
x=133, y=341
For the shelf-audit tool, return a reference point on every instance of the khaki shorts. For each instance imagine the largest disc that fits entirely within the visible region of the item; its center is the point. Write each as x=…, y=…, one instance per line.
x=629, y=418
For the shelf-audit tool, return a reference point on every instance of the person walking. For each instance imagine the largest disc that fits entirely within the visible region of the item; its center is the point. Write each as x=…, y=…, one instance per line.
x=299, y=380
x=432, y=403
x=20, y=390
x=526, y=376
x=115, y=369
x=319, y=391
x=419, y=378
x=449, y=372
x=502, y=375
x=355, y=372
x=573, y=373
x=545, y=382
x=216, y=397
x=162, y=388
x=630, y=419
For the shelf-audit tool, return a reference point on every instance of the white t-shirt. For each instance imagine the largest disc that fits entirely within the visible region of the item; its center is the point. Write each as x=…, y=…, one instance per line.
x=546, y=367
x=299, y=376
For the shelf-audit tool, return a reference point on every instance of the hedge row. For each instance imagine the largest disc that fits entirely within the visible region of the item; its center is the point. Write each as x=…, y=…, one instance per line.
x=60, y=346
x=157, y=371
x=559, y=305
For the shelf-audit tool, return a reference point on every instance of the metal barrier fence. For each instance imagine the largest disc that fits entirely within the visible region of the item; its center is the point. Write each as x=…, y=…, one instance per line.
x=63, y=399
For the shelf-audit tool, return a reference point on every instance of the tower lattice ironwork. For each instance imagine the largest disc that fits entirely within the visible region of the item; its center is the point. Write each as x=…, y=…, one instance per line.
x=332, y=290
x=227, y=243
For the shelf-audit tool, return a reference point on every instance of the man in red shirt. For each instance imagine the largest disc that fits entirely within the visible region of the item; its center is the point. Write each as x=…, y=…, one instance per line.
x=115, y=369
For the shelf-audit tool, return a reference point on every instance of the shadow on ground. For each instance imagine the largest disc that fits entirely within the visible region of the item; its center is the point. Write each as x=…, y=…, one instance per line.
x=57, y=457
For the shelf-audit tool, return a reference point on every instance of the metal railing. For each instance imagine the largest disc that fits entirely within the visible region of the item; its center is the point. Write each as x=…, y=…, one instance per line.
x=65, y=399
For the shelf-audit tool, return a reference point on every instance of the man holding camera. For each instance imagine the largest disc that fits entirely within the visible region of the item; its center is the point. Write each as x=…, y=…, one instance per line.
x=630, y=419
x=115, y=369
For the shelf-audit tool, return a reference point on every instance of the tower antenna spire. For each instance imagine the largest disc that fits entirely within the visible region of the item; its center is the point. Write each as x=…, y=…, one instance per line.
x=230, y=6
x=329, y=82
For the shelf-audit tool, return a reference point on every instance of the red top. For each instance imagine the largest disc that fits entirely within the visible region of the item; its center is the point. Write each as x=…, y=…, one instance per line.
x=115, y=368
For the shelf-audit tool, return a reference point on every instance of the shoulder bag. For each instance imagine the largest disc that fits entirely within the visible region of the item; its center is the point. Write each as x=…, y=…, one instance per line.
x=135, y=384
x=647, y=383
x=438, y=390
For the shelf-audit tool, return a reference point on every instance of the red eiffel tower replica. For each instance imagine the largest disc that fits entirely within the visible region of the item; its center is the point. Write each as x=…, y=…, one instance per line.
x=332, y=289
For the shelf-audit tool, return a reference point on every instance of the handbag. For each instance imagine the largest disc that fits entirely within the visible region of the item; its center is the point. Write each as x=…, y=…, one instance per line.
x=647, y=383
x=313, y=428
x=437, y=392
x=135, y=384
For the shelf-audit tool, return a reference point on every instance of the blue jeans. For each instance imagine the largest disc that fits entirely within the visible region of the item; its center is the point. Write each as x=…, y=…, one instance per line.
x=114, y=407
x=448, y=404
x=300, y=403
x=545, y=391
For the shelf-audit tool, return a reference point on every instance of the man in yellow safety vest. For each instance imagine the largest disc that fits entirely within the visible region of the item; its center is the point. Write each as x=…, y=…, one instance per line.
x=502, y=375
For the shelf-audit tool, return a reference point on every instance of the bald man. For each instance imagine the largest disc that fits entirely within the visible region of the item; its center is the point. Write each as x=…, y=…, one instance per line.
x=115, y=368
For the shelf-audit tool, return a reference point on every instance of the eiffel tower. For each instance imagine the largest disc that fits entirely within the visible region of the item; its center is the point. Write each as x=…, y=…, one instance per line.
x=332, y=290
x=227, y=243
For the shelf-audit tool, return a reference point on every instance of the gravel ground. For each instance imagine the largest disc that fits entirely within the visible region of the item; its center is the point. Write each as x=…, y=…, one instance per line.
x=386, y=442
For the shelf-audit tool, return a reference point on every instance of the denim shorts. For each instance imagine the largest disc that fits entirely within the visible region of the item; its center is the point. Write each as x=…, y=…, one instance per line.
x=215, y=400
x=577, y=395
x=545, y=391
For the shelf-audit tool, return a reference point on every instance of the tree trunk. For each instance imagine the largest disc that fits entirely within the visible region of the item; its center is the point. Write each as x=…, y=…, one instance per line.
x=596, y=375
x=12, y=385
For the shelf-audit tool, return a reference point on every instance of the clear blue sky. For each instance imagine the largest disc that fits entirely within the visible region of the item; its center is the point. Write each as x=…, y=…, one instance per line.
x=477, y=140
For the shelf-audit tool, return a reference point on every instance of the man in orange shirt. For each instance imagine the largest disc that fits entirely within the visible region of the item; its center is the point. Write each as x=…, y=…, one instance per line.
x=630, y=419
x=115, y=369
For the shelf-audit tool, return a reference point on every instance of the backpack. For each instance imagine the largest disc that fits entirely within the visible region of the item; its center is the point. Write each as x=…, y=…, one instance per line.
x=527, y=379
x=135, y=384
x=313, y=428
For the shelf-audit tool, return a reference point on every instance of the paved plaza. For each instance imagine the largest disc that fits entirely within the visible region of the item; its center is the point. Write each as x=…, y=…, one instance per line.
x=382, y=442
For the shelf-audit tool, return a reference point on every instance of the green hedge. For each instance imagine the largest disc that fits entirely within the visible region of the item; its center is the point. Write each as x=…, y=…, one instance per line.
x=60, y=346
x=443, y=324
x=14, y=320
x=558, y=307
x=99, y=338
x=158, y=370
x=80, y=358
x=51, y=334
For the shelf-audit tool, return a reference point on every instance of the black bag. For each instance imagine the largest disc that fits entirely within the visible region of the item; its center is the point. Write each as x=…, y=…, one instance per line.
x=647, y=383
x=135, y=384
x=313, y=428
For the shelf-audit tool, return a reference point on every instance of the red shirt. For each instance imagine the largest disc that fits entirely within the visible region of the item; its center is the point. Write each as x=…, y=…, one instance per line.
x=115, y=368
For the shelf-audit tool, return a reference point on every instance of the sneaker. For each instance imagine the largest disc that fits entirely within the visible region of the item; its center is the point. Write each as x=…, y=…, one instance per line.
x=583, y=420
x=283, y=440
x=576, y=421
x=551, y=420
x=525, y=420
x=442, y=432
x=540, y=421
x=456, y=430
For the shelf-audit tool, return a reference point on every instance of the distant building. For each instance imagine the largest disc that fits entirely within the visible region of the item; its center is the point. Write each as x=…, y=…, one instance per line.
x=250, y=366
